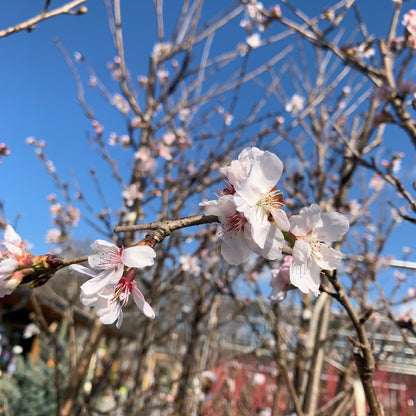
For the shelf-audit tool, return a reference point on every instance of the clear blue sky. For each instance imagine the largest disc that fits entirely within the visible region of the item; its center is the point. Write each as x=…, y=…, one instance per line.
x=38, y=97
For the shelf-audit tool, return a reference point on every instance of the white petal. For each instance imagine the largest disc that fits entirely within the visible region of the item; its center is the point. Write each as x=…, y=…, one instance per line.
x=107, y=255
x=119, y=319
x=82, y=270
x=223, y=207
x=138, y=256
x=10, y=236
x=88, y=300
x=306, y=277
x=8, y=265
x=234, y=249
x=280, y=217
x=326, y=257
x=301, y=252
x=273, y=244
x=334, y=226
x=265, y=171
x=260, y=225
x=7, y=286
x=103, y=279
x=307, y=219
x=235, y=171
x=110, y=313
x=141, y=303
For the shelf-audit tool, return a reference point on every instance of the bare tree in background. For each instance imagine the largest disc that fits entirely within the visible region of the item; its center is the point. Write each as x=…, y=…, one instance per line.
x=327, y=102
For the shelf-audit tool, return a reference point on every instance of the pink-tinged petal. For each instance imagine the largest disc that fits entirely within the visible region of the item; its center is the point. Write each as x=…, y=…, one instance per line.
x=264, y=173
x=8, y=265
x=103, y=279
x=306, y=277
x=280, y=283
x=235, y=171
x=138, y=256
x=301, y=252
x=234, y=249
x=280, y=217
x=223, y=207
x=141, y=303
x=107, y=255
x=307, y=219
x=334, y=226
x=326, y=257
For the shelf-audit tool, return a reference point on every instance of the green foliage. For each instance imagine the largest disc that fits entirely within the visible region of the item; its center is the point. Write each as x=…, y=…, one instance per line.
x=30, y=391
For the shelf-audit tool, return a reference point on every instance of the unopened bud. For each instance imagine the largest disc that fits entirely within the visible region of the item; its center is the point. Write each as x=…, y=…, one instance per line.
x=82, y=10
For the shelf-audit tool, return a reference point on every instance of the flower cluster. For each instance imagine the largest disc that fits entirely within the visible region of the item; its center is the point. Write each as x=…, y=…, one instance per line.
x=17, y=265
x=409, y=21
x=250, y=211
x=108, y=288
x=9, y=261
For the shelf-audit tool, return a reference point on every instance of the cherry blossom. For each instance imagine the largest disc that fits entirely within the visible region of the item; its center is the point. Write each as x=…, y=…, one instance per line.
x=254, y=40
x=409, y=20
x=310, y=255
x=253, y=177
x=295, y=105
x=111, y=261
x=237, y=242
x=9, y=261
x=280, y=282
x=110, y=300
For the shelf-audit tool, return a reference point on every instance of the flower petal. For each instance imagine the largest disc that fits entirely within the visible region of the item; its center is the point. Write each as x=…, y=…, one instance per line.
x=301, y=252
x=326, y=257
x=8, y=265
x=223, y=207
x=12, y=241
x=141, y=303
x=306, y=277
x=103, y=279
x=138, y=256
x=265, y=171
x=273, y=243
x=234, y=249
x=82, y=270
x=307, y=219
x=280, y=218
x=108, y=313
x=107, y=255
x=260, y=225
x=334, y=226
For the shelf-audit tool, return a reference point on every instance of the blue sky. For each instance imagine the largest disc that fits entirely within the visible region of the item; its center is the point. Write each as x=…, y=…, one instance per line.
x=38, y=97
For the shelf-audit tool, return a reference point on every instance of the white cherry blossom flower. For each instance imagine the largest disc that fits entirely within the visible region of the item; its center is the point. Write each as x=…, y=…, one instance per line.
x=7, y=282
x=254, y=179
x=310, y=255
x=254, y=40
x=280, y=282
x=111, y=261
x=295, y=105
x=9, y=261
x=110, y=300
x=237, y=242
